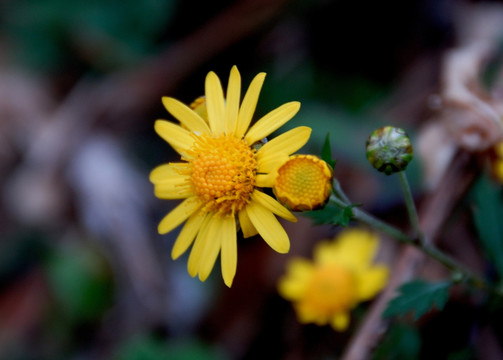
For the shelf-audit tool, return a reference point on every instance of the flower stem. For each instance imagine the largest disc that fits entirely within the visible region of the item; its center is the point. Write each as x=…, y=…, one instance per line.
x=411, y=207
x=459, y=270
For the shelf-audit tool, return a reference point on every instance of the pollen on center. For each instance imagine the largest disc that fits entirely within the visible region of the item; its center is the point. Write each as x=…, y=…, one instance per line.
x=223, y=173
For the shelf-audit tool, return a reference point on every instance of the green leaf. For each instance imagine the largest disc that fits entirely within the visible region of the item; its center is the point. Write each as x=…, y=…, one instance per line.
x=488, y=207
x=401, y=342
x=418, y=296
x=326, y=152
x=332, y=214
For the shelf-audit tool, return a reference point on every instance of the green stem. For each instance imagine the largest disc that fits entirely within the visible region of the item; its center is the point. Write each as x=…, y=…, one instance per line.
x=429, y=250
x=411, y=207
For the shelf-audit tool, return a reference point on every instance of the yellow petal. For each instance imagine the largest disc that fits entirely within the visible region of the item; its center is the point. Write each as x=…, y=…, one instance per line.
x=229, y=255
x=293, y=285
x=186, y=115
x=211, y=247
x=271, y=204
x=169, y=183
x=187, y=235
x=266, y=180
x=178, y=215
x=272, y=121
x=249, y=104
x=196, y=253
x=271, y=162
x=215, y=103
x=232, y=101
x=246, y=225
x=371, y=281
x=268, y=227
x=170, y=191
x=165, y=173
x=179, y=138
x=286, y=143
x=340, y=321
x=353, y=248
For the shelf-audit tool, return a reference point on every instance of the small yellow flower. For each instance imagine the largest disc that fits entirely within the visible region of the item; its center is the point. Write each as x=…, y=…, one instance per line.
x=222, y=172
x=342, y=275
x=304, y=183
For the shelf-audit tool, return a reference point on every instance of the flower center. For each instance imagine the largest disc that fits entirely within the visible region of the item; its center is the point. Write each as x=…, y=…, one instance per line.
x=331, y=289
x=303, y=183
x=223, y=173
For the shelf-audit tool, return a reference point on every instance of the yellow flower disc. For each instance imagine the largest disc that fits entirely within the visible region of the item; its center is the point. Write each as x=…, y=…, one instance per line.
x=223, y=173
x=304, y=183
x=332, y=289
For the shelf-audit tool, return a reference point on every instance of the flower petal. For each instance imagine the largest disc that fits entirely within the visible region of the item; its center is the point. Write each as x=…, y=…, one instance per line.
x=186, y=115
x=167, y=173
x=215, y=103
x=272, y=162
x=249, y=105
x=293, y=285
x=371, y=281
x=229, y=254
x=266, y=180
x=187, y=235
x=179, y=138
x=271, y=204
x=246, y=225
x=170, y=191
x=272, y=121
x=178, y=215
x=211, y=247
x=232, y=101
x=268, y=227
x=340, y=321
x=286, y=143
x=194, y=262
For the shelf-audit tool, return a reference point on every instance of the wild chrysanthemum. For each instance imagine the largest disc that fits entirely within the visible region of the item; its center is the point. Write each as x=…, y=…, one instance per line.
x=342, y=275
x=222, y=173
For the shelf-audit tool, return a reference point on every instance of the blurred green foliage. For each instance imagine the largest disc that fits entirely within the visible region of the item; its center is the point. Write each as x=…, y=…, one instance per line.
x=401, y=342
x=101, y=34
x=145, y=347
x=80, y=282
x=487, y=210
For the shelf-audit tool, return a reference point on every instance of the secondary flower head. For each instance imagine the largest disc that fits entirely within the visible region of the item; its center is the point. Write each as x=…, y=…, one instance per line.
x=304, y=183
x=497, y=161
x=221, y=173
x=325, y=290
x=389, y=149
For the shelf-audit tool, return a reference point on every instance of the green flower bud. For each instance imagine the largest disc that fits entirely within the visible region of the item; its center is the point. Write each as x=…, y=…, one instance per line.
x=389, y=149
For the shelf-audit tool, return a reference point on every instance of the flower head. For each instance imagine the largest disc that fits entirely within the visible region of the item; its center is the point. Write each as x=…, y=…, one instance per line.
x=304, y=183
x=221, y=173
x=389, y=149
x=325, y=290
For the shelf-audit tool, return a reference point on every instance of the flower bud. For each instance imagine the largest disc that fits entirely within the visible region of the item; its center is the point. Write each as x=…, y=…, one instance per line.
x=304, y=183
x=389, y=149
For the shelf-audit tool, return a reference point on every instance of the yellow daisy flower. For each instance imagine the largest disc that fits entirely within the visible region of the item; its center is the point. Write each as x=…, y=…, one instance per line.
x=342, y=275
x=222, y=173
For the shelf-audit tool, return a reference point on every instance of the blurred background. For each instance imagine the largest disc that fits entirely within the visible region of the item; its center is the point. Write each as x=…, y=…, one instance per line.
x=83, y=272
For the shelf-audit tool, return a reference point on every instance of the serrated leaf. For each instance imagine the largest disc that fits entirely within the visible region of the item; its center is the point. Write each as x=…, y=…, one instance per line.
x=419, y=297
x=332, y=215
x=326, y=152
x=487, y=217
x=401, y=341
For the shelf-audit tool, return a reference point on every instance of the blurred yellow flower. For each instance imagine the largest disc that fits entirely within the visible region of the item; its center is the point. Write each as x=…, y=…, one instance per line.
x=221, y=173
x=304, y=183
x=325, y=290
x=497, y=163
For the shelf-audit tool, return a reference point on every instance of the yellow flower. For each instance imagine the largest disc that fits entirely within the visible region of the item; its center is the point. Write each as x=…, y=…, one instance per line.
x=304, y=183
x=221, y=174
x=342, y=275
